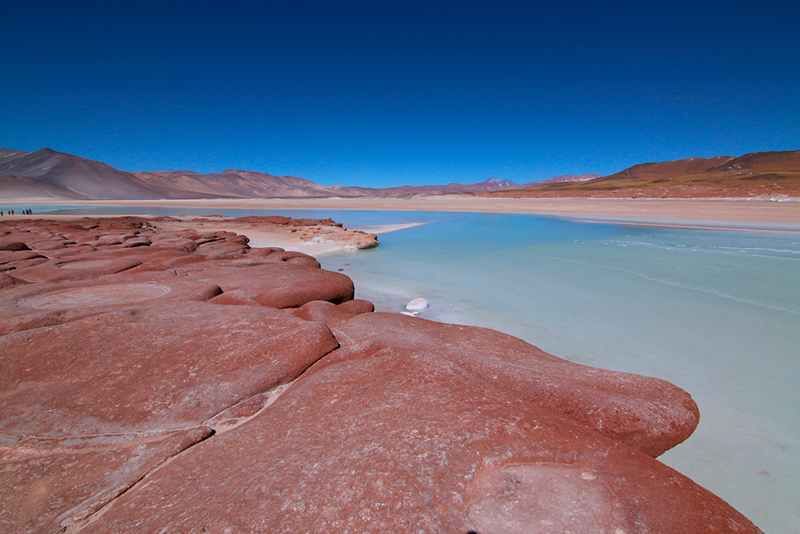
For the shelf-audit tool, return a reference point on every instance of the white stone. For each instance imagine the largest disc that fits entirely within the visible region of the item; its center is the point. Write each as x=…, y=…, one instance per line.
x=417, y=305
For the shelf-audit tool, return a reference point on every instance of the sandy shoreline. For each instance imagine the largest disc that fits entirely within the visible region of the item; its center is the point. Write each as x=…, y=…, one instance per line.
x=742, y=211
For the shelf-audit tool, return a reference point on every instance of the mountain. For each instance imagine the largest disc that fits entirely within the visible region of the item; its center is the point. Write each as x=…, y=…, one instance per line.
x=49, y=175
x=653, y=172
x=24, y=188
x=562, y=178
x=231, y=183
x=80, y=177
x=760, y=173
x=492, y=184
x=762, y=162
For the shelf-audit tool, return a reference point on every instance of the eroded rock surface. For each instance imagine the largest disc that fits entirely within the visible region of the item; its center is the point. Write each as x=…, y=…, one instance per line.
x=180, y=381
x=115, y=359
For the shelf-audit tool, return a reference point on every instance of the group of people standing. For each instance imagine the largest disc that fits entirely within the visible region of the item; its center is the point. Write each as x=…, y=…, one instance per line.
x=26, y=211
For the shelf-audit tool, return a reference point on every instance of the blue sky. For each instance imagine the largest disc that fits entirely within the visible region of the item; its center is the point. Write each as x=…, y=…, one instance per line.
x=400, y=92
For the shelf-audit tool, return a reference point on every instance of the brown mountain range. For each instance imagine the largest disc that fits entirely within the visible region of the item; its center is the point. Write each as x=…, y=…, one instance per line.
x=760, y=173
x=46, y=174
x=64, y=176
x=232, y=183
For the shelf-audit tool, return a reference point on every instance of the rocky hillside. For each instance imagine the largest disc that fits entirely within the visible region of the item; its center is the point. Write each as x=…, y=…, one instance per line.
x=751, y=175
x=49, y=175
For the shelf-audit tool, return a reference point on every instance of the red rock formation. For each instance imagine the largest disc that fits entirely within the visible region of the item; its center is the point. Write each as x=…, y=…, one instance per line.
x=159, y=388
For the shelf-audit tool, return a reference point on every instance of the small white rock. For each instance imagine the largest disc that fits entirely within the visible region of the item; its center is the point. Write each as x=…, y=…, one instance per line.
x=417, y=305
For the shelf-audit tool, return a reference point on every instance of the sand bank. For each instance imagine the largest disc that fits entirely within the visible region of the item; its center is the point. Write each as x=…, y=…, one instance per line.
x=387, y=228
x=741, y=211
x=311, y=239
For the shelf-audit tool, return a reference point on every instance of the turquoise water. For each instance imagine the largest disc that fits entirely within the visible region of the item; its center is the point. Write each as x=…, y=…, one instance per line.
x=715, y=312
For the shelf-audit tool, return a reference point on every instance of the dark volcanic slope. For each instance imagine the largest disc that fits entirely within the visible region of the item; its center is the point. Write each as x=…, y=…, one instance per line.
x=86, y=178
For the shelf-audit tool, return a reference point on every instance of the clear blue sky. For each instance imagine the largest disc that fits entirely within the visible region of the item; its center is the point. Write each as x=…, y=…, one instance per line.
x=385, y=93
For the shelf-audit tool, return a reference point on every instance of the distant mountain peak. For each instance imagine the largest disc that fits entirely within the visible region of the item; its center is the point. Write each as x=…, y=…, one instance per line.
x=497, y=182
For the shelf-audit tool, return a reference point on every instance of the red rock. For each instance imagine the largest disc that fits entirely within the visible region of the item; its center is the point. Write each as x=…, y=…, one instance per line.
x=235, y=298
x=184, y=245
x=221, y=248
x=83, y=267
x=405, y=439
x=49, y=482
x=333, y=314
x=6, y=280
x=116, y=360
x=107, y=241
x=12, y=256
x=645, y=413
x=18, y=266
x=139, y=241
x=23, y=307
x=149, y=369
x=279, y=285
x=13, y=245
x=50, y=244
x=278, y=254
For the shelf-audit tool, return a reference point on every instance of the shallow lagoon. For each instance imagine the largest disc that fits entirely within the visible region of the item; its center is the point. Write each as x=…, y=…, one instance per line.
x=715, y=312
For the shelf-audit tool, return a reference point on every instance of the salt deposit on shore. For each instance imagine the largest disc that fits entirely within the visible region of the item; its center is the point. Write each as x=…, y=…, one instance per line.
x=702, y=209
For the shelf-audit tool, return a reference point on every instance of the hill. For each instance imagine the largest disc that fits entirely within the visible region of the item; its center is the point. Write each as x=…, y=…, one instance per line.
x=67, y=176
x=560, y=179
x=232, y=183
x=757, y=174
x=46, y=174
